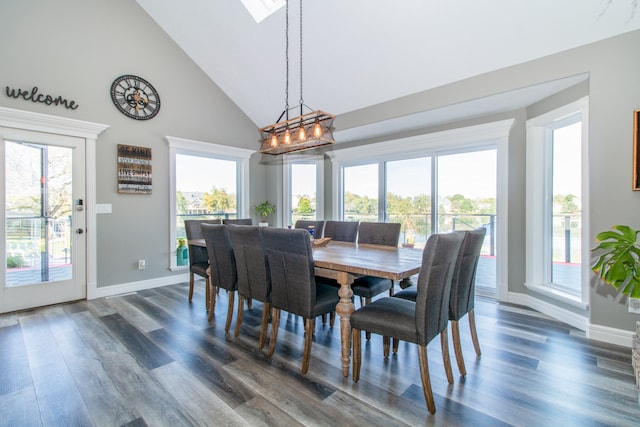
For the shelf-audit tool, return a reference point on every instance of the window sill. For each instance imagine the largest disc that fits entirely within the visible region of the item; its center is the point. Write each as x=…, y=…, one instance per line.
x=559, y=295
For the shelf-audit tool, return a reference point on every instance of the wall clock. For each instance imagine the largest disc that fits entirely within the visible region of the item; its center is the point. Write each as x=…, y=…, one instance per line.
x=135, y=97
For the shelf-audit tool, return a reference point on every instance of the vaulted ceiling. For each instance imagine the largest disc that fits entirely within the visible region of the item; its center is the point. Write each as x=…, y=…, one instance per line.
x=358, y=53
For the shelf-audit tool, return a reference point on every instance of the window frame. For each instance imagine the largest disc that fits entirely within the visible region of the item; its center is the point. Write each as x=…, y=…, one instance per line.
x=539, y=132
x=200, y=148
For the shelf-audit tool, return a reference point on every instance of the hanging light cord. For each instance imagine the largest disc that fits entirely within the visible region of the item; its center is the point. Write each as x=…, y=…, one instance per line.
x=301, y=98
x=286, y=55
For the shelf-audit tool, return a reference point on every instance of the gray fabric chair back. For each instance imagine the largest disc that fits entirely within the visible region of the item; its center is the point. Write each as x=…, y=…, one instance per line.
x=293, y=286
x=240, y=221
x=379, y=233
x=318, y=227
x=251, y=263
x=221, y=259
x=193, y=229
x=343, y=231
x=434, y=284
x=463, y=284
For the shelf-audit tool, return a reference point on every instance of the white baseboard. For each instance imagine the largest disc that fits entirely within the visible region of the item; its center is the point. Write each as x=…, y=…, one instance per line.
x=596, y=332
x=107, y=291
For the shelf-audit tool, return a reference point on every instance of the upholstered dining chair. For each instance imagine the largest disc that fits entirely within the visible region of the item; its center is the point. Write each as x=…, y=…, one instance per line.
x=293, y=285
x=375, y=233
x=239, y=221
x=342, y=231
x=416, y=321
x=254, y=281
x=223, y=266
x=198, y=258
x=318, y=226
x=462, y=296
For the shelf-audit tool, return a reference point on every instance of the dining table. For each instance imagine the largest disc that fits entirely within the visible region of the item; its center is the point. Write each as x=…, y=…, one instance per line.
x=344, y=262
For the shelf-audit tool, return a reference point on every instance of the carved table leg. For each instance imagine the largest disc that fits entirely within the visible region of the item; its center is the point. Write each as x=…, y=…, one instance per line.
x=344, y=308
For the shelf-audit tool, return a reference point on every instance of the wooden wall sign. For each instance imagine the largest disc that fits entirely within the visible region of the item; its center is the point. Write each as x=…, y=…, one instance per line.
x=134, y=169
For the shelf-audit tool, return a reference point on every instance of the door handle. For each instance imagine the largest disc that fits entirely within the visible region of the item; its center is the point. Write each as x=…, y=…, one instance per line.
x=79, y=231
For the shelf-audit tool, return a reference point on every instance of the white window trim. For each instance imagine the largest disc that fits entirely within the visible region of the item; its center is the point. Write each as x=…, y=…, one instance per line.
x=535, y=201
x=494, y=133
x=186, y=146
x=288, y=160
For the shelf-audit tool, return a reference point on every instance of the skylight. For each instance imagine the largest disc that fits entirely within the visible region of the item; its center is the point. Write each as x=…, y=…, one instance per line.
x=261, y=9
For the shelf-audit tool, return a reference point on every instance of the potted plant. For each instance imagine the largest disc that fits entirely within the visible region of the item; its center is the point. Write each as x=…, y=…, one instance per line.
x=619, y=262
x=264, y=209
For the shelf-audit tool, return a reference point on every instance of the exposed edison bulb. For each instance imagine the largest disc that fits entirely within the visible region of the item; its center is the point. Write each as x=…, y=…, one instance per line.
x=287, y=137
x=301, y=134
x=274, y=140
x=317, y=130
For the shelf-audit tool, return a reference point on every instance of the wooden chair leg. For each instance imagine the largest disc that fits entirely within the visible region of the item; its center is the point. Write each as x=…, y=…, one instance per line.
x=474, y=333
x=227, y=325
x=385, y=346
x=249, y=304
x=426, y=381
x=207, y=293
x=396, y=342
x=190, y=286
x=457, y=347
x=332, y=319
x=356, y=354
x=324, y=319
x=240, y=314
x=446, y=359
x=275, y=321
x=266, y=307
x=367, y=334
x=309, y=327
x=392, y=290
x=212, y=301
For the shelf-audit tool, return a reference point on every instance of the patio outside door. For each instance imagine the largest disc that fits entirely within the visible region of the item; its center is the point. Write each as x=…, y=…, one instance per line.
x=44, y=242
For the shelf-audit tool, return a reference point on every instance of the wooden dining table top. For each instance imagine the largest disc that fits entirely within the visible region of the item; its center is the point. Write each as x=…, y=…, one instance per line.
x=371, y=260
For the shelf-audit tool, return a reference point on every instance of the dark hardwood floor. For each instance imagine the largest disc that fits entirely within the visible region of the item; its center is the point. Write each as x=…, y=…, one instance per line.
x=151, y=358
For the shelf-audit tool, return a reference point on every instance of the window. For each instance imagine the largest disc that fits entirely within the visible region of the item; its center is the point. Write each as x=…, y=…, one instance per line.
x=208, y=181
x=556, y=144
x=304, y=188
x=433, y=183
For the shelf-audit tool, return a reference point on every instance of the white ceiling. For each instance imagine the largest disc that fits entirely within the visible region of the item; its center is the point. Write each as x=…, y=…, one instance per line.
x=358, y=53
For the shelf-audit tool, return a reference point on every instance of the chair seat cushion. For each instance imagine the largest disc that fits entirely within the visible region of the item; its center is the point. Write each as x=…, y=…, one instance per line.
x=326, y=299
x=370, y=286
x=410, y=293
x=200, y=269
x=389, y=316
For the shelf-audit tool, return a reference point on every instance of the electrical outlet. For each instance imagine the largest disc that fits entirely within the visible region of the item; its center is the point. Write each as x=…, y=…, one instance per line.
x=634, y=305
x=141, y=264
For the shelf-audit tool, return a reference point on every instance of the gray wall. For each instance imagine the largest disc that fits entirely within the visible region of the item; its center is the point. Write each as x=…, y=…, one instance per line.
x=76, y=48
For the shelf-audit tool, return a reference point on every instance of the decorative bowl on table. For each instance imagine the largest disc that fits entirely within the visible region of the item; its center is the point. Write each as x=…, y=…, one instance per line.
x=320, y=242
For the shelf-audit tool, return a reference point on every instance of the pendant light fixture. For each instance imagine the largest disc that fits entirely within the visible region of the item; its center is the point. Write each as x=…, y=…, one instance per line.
x=308, y=130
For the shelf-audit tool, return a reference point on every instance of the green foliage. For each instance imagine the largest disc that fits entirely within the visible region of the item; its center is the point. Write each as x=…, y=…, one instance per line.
x=619, y=262
x=304, y=205
x=265, y=208
x=219, y=200
x=15, y=261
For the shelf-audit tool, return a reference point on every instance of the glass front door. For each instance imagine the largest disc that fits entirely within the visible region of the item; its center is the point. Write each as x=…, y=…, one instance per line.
x=44, y=219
